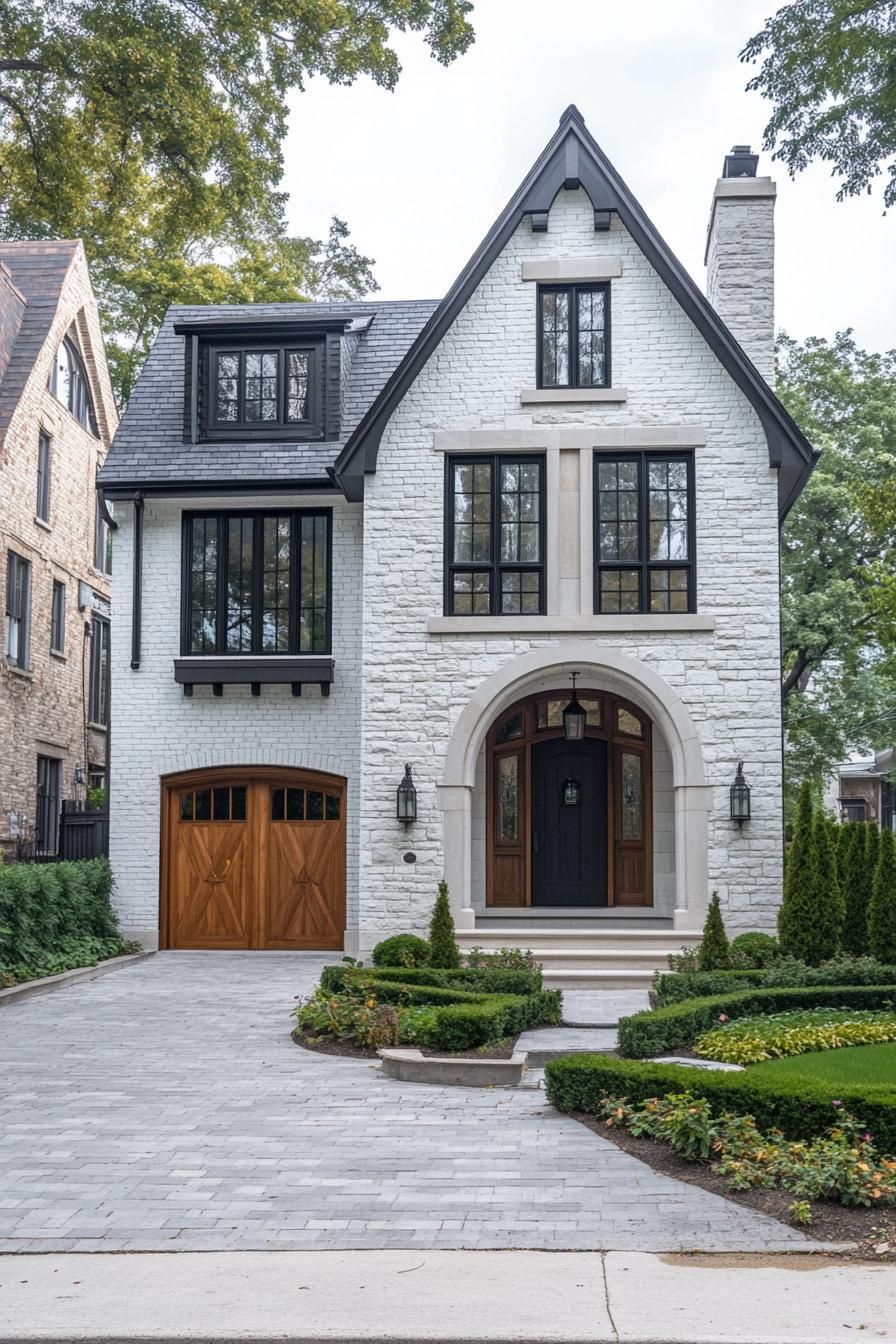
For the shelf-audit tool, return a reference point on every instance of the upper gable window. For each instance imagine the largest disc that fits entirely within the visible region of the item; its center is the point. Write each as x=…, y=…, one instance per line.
x=261, y=390
x=574, y=335
x=68, y=383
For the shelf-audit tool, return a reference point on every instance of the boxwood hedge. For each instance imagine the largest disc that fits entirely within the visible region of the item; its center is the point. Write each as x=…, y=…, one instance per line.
x=803, y=1108
x=47, y=908
x=335, y=979
x=677, y=1026
x=675, y=987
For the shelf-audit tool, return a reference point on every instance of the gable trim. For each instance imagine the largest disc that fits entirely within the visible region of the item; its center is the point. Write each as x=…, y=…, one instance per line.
x=573, y=160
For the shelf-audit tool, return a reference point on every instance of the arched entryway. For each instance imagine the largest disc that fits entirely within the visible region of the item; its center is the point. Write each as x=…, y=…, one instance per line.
x=568, y=823
x=253, y=858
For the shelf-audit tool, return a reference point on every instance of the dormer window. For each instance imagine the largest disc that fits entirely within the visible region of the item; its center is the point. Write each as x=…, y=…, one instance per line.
x=263, y=387
x=68, y=383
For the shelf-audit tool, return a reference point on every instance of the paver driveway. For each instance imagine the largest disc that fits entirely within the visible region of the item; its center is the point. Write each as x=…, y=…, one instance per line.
x=165, y=1107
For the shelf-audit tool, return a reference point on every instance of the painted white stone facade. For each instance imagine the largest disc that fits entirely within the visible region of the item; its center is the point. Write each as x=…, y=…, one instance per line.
x=414, y=686
x=157, y=730
x=417, y=683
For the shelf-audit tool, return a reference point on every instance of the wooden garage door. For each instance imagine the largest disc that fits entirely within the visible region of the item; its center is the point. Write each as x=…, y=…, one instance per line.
x=254, y=859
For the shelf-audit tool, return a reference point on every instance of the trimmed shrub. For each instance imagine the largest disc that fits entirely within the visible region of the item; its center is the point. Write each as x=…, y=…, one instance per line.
x=810, y=920
x=405, y=949
x=676, y=1027
x=675, y=988
x=753, y=951
x=801, y=1108
x=336, y=979
x=882, y=908
x=443, y=946
x=852, y=853
x=714, y=953
x=46, y=908
x=468, y=1026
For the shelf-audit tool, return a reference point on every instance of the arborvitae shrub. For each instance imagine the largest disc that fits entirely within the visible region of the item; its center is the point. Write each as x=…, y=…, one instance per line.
x=810, y=921
x=882, y=908
x=853, y=880
x=442, y=944
x=714, y=954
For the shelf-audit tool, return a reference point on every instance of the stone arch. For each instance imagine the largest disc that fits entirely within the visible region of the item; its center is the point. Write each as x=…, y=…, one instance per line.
x=612, y=670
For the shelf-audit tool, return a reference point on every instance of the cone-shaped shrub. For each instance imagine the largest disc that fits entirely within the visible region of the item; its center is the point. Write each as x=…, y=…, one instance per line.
x=853, y=881
x=443, y=948
x=714, y=953
x=872, y=849
x=882, y=907
x=810, y=921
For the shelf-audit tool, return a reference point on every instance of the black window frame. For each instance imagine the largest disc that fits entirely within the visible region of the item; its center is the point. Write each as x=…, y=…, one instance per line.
x=495, y=566
x=102, y=539
x=99, y=676
x=18, y=608
x=258, y=516
x=47, y=804
x=79, y=401
x=311, y=427
x=572, y=290
x=57, y=617
x=44, y=459
x=643, y=565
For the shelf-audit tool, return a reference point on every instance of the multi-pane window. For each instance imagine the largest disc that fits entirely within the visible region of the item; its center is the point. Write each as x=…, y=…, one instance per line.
x=573, y=335
x=68, y=383
x=98, y=698
x=261, y=388
x=46, y=828
x=18, y=601
x=57, y=618
x=43, y=477
x=494, y=536
x=257, y=582
x=644, y=533
x=102, y=557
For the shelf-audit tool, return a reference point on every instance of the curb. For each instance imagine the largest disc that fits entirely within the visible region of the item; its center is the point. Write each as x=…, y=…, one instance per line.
x=411, y=1066
x=50, y=982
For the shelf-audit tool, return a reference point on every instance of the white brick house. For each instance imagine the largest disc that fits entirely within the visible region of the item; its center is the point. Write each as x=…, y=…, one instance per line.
x=569, y=465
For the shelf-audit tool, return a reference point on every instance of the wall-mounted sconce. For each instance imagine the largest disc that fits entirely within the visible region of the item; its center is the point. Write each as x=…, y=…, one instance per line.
x=406, y=799
x=740, y=797
x=574, y=716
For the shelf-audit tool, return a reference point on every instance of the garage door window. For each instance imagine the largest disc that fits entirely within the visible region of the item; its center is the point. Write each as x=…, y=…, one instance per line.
x=222, y=804
x=304, y=805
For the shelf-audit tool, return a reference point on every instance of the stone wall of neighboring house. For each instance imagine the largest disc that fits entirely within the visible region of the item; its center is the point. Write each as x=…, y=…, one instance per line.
x=175, y=732
x=416, y=684
x=866, y=788
x=43, y=709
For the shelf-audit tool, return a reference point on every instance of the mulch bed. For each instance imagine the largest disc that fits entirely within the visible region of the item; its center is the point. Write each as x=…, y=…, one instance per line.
x=869, y=1228
x=329, y=1045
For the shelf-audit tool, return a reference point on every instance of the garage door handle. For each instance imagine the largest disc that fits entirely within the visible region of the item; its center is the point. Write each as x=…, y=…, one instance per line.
x=213, y=877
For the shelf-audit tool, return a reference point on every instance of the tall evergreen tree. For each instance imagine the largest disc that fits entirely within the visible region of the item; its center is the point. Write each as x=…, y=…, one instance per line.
x=872, y=849
x=852, y=874
x=830, y=901
x=443, y=946
x=882, y=908
x=810, y=921
x=715, y=952
x=798, y=879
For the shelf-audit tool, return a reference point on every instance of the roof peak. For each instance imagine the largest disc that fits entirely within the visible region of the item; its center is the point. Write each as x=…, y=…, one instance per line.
x=572, y=113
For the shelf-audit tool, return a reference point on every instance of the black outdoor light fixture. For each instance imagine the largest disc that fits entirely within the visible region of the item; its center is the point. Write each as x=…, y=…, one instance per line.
x=574, y=716
x=740, y=797
x=406, y=799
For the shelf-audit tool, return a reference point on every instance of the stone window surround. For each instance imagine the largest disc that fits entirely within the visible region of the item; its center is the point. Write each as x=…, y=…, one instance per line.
x=561, y=617
x=573, y=270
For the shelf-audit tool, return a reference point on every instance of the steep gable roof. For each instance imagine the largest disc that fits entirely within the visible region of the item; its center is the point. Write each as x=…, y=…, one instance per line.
x=38, y=271
x=573, y=160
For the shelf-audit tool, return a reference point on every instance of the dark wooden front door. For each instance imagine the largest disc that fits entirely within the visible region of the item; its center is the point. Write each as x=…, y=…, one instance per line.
x=569, y=823
x=254, y=859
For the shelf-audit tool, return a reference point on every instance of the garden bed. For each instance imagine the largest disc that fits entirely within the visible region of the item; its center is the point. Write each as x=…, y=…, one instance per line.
x=349, y=1049
x=868, y=1228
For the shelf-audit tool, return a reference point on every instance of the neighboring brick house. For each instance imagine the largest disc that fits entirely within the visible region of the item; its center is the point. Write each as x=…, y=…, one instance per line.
x=373, y=534
x=57, y=418
x=863, y=790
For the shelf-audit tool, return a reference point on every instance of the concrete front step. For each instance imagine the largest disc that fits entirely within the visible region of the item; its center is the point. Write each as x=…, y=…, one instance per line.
x=598, y=979
x=588, y=958
x=661, y=941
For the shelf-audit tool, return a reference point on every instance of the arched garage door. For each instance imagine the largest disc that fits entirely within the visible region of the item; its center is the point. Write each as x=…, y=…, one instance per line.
x=253, y=858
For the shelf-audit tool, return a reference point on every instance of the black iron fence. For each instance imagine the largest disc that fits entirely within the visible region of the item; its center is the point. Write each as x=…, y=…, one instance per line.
x=62, y=829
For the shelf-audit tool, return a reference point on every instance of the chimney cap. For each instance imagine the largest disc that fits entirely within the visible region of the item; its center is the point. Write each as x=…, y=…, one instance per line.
x=741, y=162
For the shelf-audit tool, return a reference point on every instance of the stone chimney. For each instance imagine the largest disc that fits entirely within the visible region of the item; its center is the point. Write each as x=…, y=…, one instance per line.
x=740, y=256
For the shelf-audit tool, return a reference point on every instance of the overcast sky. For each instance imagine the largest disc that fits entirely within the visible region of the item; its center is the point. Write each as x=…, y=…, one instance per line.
x=420, y=174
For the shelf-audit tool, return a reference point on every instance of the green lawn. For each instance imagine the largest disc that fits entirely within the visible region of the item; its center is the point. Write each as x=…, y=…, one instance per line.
x=853, y=1064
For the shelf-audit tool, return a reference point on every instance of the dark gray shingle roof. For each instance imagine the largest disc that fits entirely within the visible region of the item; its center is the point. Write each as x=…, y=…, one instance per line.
x=149, y=449
x=38, y=271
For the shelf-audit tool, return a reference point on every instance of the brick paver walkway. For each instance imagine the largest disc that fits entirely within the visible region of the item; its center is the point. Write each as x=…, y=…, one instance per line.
x=164, y=1107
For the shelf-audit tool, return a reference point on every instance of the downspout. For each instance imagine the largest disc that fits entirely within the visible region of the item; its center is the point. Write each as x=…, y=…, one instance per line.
x=137, y=605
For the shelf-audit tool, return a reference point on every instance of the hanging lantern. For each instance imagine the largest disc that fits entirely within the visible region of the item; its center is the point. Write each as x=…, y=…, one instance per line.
x=740, y=797
x=406, y=798
x=574, y=717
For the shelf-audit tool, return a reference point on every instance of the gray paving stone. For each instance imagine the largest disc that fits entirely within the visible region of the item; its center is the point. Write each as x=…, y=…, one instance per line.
x=601, y=1007
x=166, y=1108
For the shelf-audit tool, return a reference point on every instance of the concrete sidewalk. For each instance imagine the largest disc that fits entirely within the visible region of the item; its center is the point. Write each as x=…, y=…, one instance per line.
x=494, y=1296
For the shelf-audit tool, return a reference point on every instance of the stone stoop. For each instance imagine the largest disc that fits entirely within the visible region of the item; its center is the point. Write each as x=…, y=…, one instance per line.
x=588, y=958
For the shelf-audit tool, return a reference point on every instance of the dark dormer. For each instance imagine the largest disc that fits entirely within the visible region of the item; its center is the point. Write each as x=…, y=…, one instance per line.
x=273, y=379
